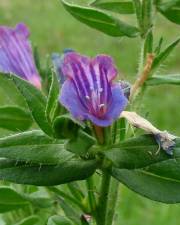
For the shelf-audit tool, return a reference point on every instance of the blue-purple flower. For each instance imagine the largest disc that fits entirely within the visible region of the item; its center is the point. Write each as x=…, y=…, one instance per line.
x=89, y=92
x=16, y=54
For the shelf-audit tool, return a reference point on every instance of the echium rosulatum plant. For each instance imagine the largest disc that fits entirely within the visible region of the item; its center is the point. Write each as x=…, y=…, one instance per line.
x=77, y=125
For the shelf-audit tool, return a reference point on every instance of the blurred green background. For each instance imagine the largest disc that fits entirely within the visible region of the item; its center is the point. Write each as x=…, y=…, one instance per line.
x=53, y=29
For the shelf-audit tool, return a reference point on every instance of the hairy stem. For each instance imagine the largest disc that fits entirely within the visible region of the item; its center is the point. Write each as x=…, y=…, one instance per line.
x=112, y=200
x=103, y=199
x=91, y=196
x=143, y=76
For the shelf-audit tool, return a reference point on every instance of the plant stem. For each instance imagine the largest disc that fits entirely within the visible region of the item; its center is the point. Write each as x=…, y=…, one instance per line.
x=103, y=199
x=112, y=200
x=91, y=197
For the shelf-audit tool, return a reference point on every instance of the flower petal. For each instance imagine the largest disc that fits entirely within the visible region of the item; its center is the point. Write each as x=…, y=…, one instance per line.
x=107, y=63
x=119, y=102
x=70, y=100
x=16, y=53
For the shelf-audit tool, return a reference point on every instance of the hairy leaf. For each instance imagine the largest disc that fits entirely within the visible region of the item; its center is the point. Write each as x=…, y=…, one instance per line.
x=58, y=220
x=14, y=118
x=53, y=98
x=46, y=175
x=160, y=58
x=31, y=220
x=11, y=200
x=36, y=102
x=101, y=20
x=116, y=6
x=165, y=79
x=35, y=147
x=143, y=167
x=171, y=10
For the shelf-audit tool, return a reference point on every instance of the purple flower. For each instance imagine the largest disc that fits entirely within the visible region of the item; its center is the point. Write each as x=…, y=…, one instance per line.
x=89, y=92
x=16, y=54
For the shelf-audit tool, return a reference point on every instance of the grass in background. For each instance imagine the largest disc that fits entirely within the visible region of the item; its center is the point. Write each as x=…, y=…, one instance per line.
x=53, y=29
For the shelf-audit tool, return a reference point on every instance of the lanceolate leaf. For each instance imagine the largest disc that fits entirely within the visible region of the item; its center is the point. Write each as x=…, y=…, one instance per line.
x=58, y=220
x=136, y=153
x=46, y=175
x=66, y=127
x=14, y=118
x=53, y=97
x=159, y=59
x=31, y=220
x=101, y=21
x=36, y=102
x=171, y=10
x=11, y=200
x=70, y=212
x=116, y=6
x=34, y=147
x=146, y=169
x=163, y=79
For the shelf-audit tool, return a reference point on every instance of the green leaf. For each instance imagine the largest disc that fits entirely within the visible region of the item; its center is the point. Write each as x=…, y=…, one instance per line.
x=136, y=153
x=147, y=15
x=158, y=48
x=31, y=220
x=147, y=170
x=76, y=190
x=116, y=6
x=35, y=147
x=9, y=94
x=66, y=127
x=58, y=220
x=159, y=59
x=165, y=79
x=171, y=10
x=46, y=175
x=14, y=118
x=11, y=200
x=36, y=102
x=157, y=188
x=101, y=20
x=70, y=212
x=53, y=98
x=81, y=143
x=138, y=10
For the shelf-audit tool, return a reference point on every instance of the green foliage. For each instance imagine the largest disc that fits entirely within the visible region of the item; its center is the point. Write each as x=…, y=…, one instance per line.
x=143, y=167
x=165, y=79
x=58, y=220
x=160, y=58
x=81, y=143
x=115, y=6
x=14, y=118
x=170, y=9
x=34, y=147
x=70, y=212
x=66, y=127
x=31, y=220
x=11, y=200
x=46, y=175
x=53, y=98
x=36, y=102
x=101, y=20
x=44, y=160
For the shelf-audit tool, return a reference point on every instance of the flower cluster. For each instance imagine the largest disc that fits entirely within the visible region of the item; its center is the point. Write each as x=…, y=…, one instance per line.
x=88, y=88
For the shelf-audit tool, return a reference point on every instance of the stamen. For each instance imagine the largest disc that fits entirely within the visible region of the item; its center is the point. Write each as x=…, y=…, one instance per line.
x=101, y=106
x=87, y=97
x=100, y=90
